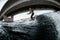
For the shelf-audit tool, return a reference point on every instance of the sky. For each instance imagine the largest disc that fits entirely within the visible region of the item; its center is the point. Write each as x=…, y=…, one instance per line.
x=2, y=2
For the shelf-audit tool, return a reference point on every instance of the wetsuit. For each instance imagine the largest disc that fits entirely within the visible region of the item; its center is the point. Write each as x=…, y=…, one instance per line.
x=32, y=13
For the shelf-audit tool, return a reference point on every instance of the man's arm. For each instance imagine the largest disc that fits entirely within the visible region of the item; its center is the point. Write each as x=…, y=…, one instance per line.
x=30, y=11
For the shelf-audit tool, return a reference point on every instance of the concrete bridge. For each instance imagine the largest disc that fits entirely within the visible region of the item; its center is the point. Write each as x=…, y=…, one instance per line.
x=12, y=6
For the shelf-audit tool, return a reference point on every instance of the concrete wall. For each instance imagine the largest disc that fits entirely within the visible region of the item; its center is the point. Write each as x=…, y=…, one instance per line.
x=6, y=19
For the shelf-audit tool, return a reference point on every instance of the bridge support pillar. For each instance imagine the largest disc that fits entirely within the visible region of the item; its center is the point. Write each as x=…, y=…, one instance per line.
x=8, y=19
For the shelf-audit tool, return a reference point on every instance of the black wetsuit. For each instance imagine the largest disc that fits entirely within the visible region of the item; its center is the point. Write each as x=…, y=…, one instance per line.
x=32, y=15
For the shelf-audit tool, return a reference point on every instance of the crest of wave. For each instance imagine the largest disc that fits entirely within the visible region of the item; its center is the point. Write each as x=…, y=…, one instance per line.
x=56, y=17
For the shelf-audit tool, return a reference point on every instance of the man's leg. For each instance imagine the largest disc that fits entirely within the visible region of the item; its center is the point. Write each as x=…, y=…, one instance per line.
x=32, y=16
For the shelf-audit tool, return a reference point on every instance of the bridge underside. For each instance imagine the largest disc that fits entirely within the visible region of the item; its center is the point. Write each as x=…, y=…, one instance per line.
x=13, y=6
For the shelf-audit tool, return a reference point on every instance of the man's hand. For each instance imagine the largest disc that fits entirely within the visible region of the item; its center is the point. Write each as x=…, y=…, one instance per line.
x=30, y=12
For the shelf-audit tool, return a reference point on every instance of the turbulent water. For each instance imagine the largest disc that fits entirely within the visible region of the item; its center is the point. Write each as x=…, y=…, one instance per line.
x=56, y=17
x=18, y=26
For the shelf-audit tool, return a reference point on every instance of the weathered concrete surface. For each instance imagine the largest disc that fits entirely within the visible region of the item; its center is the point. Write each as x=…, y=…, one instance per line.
x=7, y=19
x=12, y=5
